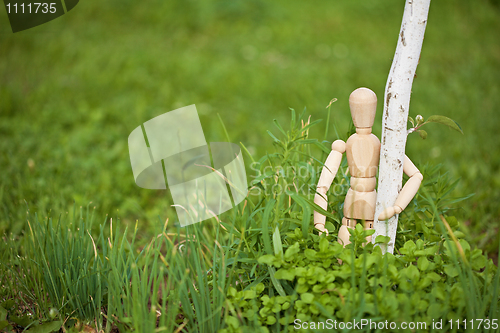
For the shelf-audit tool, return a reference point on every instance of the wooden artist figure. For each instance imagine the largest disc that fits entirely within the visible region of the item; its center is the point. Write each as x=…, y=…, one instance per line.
x=363, y=152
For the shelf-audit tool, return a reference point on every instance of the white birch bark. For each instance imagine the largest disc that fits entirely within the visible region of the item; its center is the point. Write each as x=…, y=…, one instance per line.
x=395, y=117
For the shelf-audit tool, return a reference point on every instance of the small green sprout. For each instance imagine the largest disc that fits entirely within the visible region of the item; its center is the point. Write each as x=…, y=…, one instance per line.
x=419, y=122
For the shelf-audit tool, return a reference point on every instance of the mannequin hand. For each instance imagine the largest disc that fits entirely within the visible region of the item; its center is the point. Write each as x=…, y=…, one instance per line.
x=321, y=229
x=389, y=212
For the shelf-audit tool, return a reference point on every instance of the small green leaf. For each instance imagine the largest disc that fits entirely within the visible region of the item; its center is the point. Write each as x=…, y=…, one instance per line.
x=231, y=292
x=8, y=304
x=307, y=298
x=284, y=274
x=306, y=219
x=431, y=250
x=232, y=322
x=279, y=126
x=423, y=134
x=4, y=324
x=3, y=313
x=434, y=276
x=381, y=239
x=23, y=321
x=310, y=254
x=267, y=259
x=46, y=327
x=249, y=294
x=271, y=320
x=408, y=248
x=412, y=273
x=265, y=223
x=323, y=245
x=411, y=121
x=478, y=260
x=369, y=232
x=451, y=270
x=445, y=121
x=277, y=285
x=329, y=226
x=292, y=251
x=278, y=247
x=423, y=263
x=274, y=138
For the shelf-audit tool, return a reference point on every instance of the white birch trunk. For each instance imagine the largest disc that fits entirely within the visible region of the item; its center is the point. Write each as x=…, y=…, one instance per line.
x=395, y=117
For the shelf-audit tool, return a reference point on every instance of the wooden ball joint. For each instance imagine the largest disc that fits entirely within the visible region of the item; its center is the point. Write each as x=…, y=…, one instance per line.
x=363, y=152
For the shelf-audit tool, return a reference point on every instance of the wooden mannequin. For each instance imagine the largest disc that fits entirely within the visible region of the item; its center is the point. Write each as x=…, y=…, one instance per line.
x=363, y=153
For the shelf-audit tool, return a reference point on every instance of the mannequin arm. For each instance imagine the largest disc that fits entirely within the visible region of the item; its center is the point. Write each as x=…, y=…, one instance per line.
x=326, y=178
x=407, y=193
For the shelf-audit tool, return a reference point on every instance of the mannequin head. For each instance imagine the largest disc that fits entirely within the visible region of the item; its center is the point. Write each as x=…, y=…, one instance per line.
x=363, y=105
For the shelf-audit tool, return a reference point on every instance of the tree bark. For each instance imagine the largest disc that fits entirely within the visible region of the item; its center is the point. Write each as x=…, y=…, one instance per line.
x=395, y=117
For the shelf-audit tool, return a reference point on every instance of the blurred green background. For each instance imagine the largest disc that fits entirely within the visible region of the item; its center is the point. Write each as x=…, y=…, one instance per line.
x=72, y=90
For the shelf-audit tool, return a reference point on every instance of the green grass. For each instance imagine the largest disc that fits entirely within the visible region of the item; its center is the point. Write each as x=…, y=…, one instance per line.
x=73, y=89
x=257, y=268
x=60, y=274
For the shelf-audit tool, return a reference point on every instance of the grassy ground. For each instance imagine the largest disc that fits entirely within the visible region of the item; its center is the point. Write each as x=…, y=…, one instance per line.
x=72, y=90
x=257, y=268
